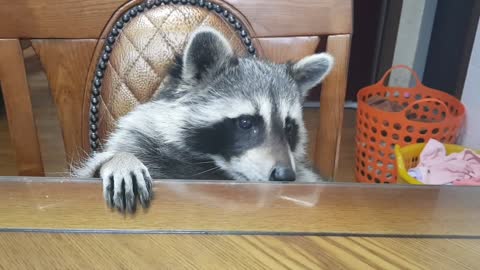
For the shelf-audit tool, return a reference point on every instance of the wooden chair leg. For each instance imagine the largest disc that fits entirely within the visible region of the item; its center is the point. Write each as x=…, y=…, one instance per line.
x=21, y=123
x=332, y=100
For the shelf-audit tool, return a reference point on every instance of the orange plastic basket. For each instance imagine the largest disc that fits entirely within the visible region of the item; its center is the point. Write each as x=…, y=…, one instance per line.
x=427, y=113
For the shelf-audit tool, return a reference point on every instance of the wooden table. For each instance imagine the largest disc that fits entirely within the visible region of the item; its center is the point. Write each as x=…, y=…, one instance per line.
x=48, y=223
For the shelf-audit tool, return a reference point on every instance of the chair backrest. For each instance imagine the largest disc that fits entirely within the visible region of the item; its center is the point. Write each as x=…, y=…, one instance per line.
x=104, y=58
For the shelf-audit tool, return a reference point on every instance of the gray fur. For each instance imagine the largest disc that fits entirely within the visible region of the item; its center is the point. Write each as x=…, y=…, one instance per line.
x=210, y=85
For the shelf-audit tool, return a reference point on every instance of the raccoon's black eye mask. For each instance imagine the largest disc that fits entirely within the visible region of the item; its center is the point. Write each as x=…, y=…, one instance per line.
x=229, y=137
x=291, y=131
x=233, y=136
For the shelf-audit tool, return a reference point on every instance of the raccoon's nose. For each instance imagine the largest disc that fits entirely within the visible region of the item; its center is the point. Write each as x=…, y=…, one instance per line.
x=281, y=173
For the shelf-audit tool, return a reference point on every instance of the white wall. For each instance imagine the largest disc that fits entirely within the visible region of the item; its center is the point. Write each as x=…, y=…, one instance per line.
x=471, y=98
x=413, y=39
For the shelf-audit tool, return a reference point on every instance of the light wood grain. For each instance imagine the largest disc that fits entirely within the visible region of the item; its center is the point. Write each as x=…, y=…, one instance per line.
x=66, y=63
x=46, y=117
x=283, y=49
x=106, y=251
x=346, y=161
x=314, y=208
x=298, y=17
x=18, y=106
x=55, y=19
x=87, y=19
x=332, y=100
x=7, y=152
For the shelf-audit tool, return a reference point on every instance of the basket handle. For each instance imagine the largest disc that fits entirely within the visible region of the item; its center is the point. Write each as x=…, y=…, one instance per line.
x=412, y=72
x=447, y=112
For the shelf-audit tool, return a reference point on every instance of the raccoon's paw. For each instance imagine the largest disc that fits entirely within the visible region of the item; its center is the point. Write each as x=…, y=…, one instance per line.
x=125, y=179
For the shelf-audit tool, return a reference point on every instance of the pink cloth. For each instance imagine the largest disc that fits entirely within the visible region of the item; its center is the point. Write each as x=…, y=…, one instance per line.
x=468, y=182
x=436, y=168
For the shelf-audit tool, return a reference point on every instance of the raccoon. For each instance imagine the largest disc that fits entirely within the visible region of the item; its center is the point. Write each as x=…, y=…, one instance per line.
x=219, y=117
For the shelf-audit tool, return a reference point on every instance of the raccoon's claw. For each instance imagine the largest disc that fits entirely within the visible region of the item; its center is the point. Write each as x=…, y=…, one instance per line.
x=125, y=179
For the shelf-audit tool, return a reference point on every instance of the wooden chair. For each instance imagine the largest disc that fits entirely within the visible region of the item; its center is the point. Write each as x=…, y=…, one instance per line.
x=102, y=58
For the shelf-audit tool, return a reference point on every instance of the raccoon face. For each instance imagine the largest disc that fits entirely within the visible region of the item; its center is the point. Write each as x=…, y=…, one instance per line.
x=246, y=113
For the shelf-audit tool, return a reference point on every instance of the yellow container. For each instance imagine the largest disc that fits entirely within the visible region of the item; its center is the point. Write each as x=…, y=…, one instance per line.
x=407, y=158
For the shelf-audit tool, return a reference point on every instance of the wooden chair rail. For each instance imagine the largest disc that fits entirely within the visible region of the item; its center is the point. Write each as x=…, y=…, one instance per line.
x=324, y=209
x=86, y=19
x=21, y=122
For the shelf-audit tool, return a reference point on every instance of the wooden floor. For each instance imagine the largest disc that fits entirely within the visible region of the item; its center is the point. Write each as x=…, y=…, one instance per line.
x=51, y=143
x=133, y=251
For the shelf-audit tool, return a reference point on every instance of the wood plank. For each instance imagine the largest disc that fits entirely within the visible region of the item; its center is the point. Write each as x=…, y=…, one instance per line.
x=46, y=119
x=66, y=63
x=297, y=17
x=87, y=18
x=21, y=122
x=332, y=100
x=346, y=161
x=7, y=151
x=55, y=19
x=47, y=203
x=283, y=49
x=127, y=251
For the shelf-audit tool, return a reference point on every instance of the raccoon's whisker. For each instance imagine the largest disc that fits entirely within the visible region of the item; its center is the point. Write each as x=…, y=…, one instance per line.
x=209, y=170
x=200, y=162
x=204, y=162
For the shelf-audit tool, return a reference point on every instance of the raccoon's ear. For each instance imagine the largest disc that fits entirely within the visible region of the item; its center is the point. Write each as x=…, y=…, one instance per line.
x=311, y=70
x=206, y=52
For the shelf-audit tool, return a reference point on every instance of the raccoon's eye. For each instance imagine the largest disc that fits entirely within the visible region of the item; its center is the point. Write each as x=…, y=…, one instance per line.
x=245, y=122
